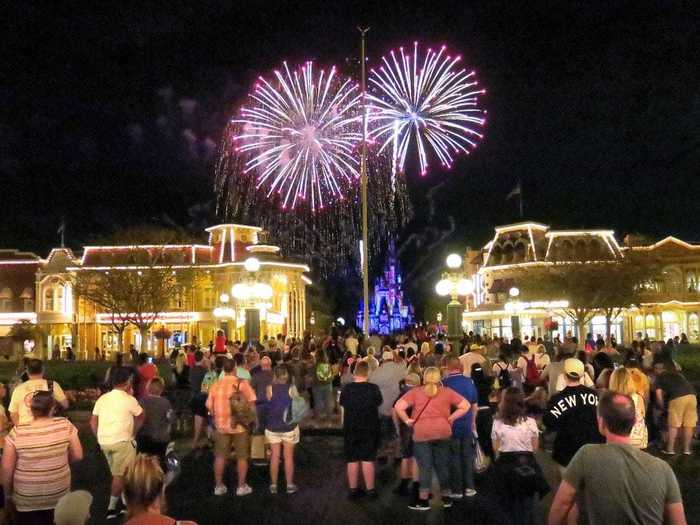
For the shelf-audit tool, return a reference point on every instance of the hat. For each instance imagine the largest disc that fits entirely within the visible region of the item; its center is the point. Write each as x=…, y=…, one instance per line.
x=475, y=347
x=73, y=508
x=387, y=356
x=574, y=368
x=412, y=379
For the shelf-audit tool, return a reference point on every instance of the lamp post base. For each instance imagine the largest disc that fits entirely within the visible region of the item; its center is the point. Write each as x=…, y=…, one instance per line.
x=454, y=323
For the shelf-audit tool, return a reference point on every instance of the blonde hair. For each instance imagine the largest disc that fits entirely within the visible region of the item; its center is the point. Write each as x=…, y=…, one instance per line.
x=621, y=381
x=156, y=386
x=180, y=361
x=432, y=379
x=143, y=484
x=425, y=348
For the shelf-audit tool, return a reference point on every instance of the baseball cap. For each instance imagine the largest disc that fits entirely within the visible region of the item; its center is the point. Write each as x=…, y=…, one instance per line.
x=73, y=508
x=574, y=368
x=387, y=356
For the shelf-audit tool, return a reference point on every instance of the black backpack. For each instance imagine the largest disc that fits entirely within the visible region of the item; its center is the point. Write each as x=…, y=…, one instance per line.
x=504, y=379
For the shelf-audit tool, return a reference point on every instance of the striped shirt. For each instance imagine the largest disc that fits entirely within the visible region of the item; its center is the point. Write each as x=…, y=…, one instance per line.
x=42, y=475
x=219, y=402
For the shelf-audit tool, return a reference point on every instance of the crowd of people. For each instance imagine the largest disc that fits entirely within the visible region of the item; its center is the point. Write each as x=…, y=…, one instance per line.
x=440, y=412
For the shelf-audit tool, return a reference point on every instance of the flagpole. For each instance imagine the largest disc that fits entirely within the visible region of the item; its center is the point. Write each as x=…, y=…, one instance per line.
x=363, y=189
x=520, y=185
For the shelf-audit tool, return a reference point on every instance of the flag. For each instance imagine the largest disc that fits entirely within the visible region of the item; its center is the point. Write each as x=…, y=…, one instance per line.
x=515, y=191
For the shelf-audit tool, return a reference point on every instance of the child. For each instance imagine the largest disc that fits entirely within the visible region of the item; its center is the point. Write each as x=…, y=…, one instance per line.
x=154, y=436
x=409, y=468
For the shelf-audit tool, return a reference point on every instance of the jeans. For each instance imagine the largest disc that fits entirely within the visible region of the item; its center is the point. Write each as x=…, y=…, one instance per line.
x=323, y=399
x=461, y=464
x=433, y=455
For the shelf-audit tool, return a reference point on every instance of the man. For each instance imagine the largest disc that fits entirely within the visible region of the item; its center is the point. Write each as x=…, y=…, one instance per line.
x=20, y=414
x=462, y=444
x=146, y=371
x=617, y=482
x=116, y=418
x=572, y=414
x=387, y=377
x=675, y=393
x=361, y=401
x=133, y=354
x=351, y=343
x=227, y=436
x=554, y=369
x=473, y=356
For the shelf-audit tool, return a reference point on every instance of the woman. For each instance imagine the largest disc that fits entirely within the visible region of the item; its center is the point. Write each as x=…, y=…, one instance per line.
x=515, y=440
x=484, y=416
x=182, y=393
x=371, y=359
x=144, y=492
x=35, y=470
x=431, y=419
x=322, y=386
x=280, y=435
x=622, y=381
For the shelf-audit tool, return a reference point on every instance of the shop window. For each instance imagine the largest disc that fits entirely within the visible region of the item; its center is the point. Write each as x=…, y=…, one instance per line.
x=693, y=327
x=650, y=326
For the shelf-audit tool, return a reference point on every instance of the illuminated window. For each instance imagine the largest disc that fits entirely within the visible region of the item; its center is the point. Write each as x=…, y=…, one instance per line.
x=27, y=300
x=6, y=300
x=209, y=298
x=48, y=300
x=60, y=299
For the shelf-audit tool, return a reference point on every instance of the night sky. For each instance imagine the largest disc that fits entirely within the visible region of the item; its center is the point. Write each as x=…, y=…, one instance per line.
x=113, y=116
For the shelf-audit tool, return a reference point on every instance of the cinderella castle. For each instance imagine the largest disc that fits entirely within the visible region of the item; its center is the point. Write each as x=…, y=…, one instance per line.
x=389, y=309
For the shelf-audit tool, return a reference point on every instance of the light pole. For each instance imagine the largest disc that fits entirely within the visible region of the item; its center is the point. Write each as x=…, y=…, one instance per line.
x=454, y=283
x=514, y=293
x=363, y=191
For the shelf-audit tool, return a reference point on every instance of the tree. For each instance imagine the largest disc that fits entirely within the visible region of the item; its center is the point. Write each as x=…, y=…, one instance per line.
x=589, y=287
x=140, y=282
x=24, y=331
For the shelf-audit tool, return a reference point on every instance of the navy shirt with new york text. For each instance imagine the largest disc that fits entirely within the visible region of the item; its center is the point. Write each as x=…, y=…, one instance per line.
x=466, y=388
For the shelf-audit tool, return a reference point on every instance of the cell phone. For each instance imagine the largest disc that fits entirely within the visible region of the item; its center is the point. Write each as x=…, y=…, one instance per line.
x=150, y=360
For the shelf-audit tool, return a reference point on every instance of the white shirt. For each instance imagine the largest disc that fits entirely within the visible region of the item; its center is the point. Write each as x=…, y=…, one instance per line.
x=351, y=345
x=516, y=438
x=19, y=403
x=115, y=411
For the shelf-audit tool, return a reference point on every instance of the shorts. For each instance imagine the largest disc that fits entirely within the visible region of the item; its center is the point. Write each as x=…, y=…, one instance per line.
x=275, y=438
x=119, y=456
x=239, y=443
x=198, y=405
x=360, y=445
x=683, y=412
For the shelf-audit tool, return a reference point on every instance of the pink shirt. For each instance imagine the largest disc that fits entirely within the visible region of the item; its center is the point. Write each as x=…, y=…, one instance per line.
x=432, y=413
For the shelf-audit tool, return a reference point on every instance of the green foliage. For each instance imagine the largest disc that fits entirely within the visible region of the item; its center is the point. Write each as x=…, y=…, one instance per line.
x=25, y=331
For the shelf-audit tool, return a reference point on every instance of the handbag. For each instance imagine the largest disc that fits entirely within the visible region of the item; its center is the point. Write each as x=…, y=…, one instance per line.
x=481, y=460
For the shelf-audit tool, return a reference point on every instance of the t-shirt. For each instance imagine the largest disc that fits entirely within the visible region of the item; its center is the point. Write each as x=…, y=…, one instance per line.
x=19, y=400
x=242, y=373
x=387, y=378
x=197, y=374
x=42, y=475
x=622, y=485
x=572, y=413
x=515, y=438
x=674, y=385
x=351, y=344
x=464, y=386
x=361, y=403
x=159, y=416
x=432, y=412
x=261, y=379
x=115, y=411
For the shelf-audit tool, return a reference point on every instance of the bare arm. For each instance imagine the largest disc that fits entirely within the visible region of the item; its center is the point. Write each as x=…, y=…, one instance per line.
x=75, y=449
x=9, y=460
x=536, y=443
x=675, y=514
x=14, y=416
x=138, y=422
x=400, y=410
x=563, y=501
x=475, y=412
x=462, y=409
x=93, y=424
x=496, y=443
x=659, y=398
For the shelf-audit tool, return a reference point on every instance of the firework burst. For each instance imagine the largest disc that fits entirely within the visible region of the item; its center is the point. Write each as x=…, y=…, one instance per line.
x=300, y=136
x=427, y=98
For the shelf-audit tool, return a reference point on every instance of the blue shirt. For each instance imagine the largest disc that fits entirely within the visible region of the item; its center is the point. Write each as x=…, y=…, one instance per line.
x=465, y=387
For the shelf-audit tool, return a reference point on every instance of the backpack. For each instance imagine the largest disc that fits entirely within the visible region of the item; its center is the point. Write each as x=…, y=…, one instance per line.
x=324, y=373
x=532, y=375
x=504, y=379
x=296, y=411
x=242, y=413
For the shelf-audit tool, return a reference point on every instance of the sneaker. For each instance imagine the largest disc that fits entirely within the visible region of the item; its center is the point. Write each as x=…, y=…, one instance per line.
x=244, y=490
x=273, y=489
x=220, y=490
x=113, y=514
x=470, y=493
x=354, y=494
x=372, y=494
x=687, y=452
x=291, y=489
x=446, y=502
x=668, y=452
x=456, y=495
x=420, y=504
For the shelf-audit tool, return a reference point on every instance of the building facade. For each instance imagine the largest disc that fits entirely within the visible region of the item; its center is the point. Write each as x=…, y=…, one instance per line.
x=227, y=269
x=389, y=308
x=670, y=305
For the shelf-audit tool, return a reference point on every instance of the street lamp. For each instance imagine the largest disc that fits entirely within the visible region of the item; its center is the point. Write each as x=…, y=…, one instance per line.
x=454, y=284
